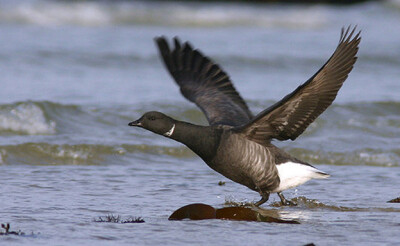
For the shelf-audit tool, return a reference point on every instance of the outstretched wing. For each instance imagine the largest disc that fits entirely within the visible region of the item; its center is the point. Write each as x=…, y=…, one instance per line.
x=288, y=118
x=203, y=82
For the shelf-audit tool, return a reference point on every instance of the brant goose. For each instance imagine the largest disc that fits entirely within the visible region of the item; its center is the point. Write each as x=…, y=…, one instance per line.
x=238, y=144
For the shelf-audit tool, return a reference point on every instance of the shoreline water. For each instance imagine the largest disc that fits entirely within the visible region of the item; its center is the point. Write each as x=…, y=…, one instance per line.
x=74, y=73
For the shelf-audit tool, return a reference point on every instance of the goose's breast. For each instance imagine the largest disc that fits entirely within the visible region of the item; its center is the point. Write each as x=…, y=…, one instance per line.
x=245, y=162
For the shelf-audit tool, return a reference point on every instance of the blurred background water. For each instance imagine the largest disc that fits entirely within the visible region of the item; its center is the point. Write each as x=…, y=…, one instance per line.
x=74, y=73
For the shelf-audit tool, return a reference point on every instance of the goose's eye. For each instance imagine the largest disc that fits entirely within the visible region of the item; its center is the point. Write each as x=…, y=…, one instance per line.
x=152, y=118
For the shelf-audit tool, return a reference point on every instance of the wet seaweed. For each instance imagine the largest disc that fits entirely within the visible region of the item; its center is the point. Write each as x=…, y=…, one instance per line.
x=221, y=183
x=133, y=220
x=396, y=200
x=6, y=227
x=110, y=218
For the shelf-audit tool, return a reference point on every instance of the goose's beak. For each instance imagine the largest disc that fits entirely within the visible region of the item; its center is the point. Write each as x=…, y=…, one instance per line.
x=135, y=123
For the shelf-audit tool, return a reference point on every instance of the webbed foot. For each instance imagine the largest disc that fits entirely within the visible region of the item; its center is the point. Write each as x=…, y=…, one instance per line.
x=264, y=198
x=286, y=202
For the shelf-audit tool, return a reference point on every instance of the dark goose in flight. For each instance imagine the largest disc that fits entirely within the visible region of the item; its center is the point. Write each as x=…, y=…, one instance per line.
x=237, y=144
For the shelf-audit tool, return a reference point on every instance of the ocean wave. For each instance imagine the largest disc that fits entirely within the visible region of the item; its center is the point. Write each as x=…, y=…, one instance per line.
x=51, y=133
x=49, y=118
x=25, y=118
x=50, y=154
x=393, y=4
x=103, y=13
x=82, y=154
x=97, y=154
x=364, y=157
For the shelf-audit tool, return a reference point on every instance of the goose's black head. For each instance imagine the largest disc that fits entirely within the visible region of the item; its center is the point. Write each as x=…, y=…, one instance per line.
x=156, y=122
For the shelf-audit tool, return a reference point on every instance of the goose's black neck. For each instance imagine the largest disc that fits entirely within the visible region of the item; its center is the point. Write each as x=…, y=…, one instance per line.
x=203, y=140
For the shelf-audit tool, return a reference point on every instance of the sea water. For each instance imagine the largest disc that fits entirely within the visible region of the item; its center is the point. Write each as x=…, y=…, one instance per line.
x=75, y=73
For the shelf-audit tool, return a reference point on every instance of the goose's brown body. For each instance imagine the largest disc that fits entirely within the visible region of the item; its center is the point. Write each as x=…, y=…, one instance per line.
x=237, y=144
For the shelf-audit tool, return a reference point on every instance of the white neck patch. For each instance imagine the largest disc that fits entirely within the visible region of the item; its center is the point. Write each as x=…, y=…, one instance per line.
x=170, y=132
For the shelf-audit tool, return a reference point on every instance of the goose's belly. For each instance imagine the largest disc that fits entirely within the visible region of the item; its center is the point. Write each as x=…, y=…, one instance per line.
x=247, y=163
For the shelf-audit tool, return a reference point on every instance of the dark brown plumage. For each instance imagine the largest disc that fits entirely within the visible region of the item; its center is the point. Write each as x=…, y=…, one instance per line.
x=204, y=83
x=288, y=118
x=236, y=144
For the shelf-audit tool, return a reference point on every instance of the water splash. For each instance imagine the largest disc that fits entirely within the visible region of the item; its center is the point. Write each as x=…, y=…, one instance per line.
x=313, y=204
x=25, y=118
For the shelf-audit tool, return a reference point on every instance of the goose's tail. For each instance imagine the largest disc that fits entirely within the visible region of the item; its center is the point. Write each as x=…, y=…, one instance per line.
x=292, y=174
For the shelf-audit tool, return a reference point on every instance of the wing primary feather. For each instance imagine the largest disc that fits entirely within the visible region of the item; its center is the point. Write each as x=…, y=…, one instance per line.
x=203, y=82
x=289, y=117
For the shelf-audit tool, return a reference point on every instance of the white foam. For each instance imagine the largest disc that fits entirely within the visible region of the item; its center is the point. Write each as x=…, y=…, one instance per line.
x=57, y=13
x=98, y=13
x=26, y=118
x=377, y=158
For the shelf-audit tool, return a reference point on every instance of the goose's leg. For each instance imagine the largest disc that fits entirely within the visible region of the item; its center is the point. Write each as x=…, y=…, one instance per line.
x=264, y=198
x=284, y=201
